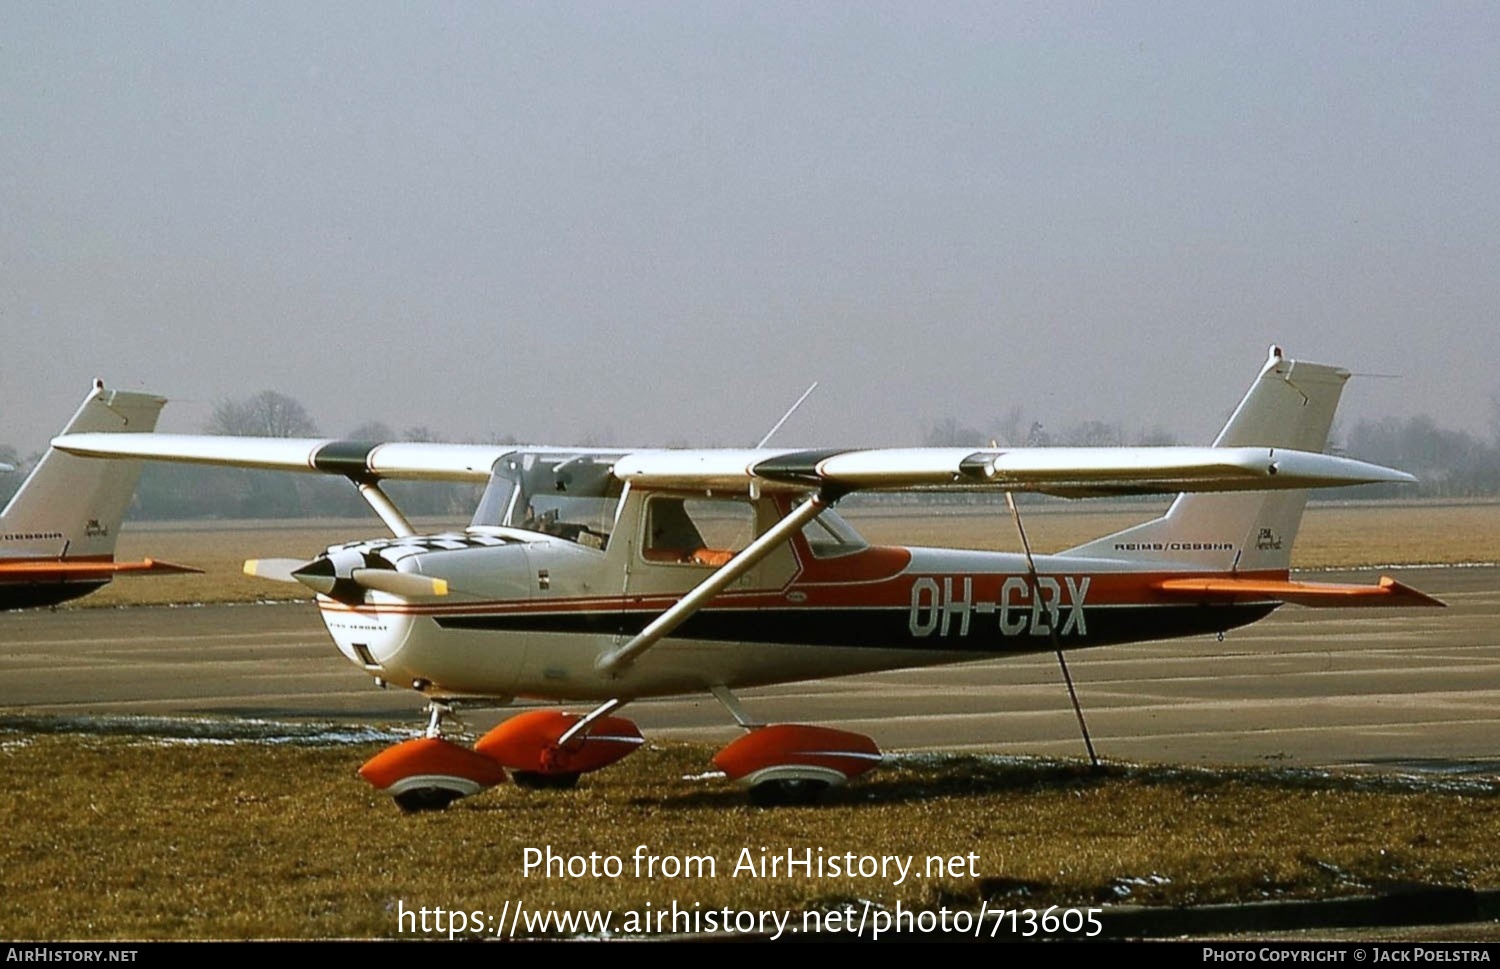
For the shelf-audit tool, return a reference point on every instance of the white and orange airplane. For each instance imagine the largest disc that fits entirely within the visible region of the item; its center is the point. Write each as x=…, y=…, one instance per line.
x=609, y=575
x=57, y=534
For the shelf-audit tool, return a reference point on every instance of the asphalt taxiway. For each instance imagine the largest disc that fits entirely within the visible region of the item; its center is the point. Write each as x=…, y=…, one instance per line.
x=1399, y=689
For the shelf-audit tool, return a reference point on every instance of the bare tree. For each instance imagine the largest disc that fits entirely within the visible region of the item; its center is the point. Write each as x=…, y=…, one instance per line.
x=1008, y=427
x=267, y=414
x=1156, y=436
x=372, y=431
x=1094, y=433
x=11, y=474
x=950, y=433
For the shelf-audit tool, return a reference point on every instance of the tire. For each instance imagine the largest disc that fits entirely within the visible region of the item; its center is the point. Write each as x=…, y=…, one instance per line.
x=538, y=781
x=787, y=793
x=420, y=799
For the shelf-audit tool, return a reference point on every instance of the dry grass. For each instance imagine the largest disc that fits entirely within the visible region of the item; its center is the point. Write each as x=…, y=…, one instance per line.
x=220, y=550
x=115, y=837
x=1332, y=537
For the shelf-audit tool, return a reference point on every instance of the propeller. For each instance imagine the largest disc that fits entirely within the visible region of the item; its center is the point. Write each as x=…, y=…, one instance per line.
x=277, y=570
x=405, y=584
x=319, y=576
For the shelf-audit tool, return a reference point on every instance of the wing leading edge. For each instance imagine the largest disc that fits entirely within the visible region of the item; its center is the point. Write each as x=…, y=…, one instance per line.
x=1065, y=471
x=358, y=459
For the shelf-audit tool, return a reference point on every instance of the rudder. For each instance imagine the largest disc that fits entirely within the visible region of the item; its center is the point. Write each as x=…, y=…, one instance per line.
x=70, y=506
x=1290, y=405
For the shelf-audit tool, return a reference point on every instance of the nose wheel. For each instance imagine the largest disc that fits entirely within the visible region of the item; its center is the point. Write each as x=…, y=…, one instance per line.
x=429, y=772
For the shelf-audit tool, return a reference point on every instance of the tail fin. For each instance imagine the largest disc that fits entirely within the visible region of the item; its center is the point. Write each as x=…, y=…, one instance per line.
x=1290, y=405
x=72, y=507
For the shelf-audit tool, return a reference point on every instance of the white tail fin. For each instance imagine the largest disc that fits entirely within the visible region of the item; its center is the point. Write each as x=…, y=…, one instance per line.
x=1290, y=405
x=72, y=507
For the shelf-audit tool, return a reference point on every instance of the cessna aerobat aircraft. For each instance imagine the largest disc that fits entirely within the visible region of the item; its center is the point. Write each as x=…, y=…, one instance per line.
x=57, y=534
x=601, y=576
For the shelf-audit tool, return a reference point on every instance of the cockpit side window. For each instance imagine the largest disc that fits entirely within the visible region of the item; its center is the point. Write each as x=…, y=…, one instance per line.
x=696, y=530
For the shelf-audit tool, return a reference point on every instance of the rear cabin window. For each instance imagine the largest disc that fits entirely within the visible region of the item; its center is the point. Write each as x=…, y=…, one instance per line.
x=697, y=531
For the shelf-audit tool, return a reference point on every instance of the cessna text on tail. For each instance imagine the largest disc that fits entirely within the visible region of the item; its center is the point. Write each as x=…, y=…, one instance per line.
x=604, y=576
x=57, y=535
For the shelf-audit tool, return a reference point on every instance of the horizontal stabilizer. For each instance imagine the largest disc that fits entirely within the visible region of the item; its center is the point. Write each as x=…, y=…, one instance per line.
x=1323, y=595
x=39, y=570
x=154, y=567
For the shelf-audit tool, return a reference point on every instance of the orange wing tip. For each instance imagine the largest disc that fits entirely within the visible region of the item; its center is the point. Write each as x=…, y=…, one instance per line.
x=159, y=568
x=1387, y=593
x=1408, y=595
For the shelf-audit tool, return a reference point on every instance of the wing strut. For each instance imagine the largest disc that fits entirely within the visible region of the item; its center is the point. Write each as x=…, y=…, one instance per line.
x=732, y=704
x=385, y=508
x=1036, y=592
x=607, y=707
x=663, y=625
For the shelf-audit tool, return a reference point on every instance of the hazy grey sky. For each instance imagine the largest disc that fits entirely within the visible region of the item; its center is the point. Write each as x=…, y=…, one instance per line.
x=660, y=222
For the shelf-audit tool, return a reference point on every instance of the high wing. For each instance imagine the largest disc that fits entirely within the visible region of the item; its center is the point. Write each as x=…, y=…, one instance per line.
x=1273, y=442
x=1065, y=471
x=356, y=459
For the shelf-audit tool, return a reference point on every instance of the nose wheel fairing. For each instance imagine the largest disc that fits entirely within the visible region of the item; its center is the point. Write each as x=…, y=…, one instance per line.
x=427, y=773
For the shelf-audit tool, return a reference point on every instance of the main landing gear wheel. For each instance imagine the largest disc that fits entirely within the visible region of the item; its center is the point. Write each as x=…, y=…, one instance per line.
x=789, y=764
x=792, y=792
x=538, y=781
x=420, y=799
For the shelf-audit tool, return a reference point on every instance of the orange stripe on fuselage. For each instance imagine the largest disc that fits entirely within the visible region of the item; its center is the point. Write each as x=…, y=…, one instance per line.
x=1103, y=589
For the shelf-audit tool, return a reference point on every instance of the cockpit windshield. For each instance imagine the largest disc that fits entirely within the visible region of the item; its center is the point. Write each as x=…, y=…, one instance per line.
x=569, y=494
